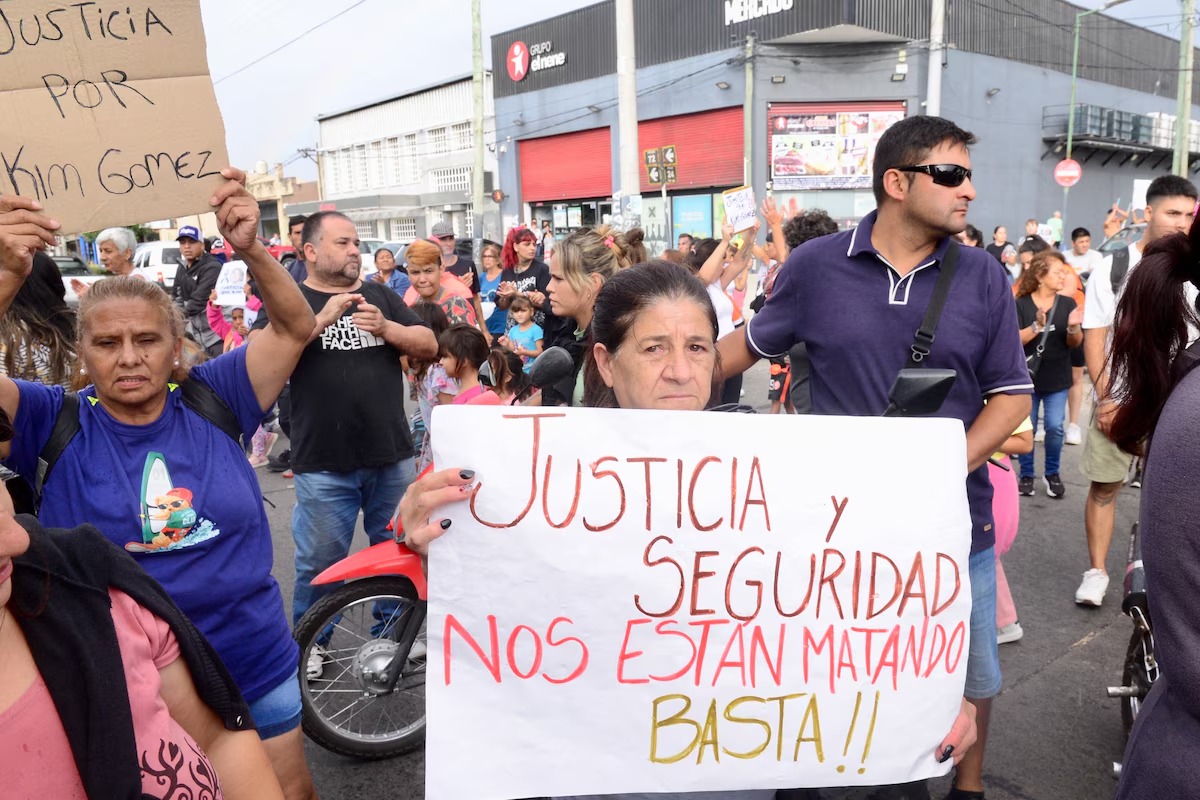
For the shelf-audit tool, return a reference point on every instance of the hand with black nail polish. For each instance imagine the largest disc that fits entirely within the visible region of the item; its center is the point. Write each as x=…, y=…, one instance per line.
x=961, y=737
x=418, y=515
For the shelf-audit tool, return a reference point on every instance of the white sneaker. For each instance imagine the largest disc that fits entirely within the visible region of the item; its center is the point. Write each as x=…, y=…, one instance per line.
x=1073, y=435
x=1040, y=436
x=1009, y=633
x=1091, y=590
x=315, y=667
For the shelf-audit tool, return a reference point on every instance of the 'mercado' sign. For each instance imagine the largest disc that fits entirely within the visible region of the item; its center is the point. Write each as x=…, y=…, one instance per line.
x=746, y=10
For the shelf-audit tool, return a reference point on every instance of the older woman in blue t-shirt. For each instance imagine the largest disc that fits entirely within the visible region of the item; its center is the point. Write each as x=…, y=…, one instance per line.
x=153, y=461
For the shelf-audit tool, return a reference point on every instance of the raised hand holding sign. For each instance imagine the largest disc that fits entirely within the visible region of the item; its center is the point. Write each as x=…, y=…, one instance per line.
x=110, y=115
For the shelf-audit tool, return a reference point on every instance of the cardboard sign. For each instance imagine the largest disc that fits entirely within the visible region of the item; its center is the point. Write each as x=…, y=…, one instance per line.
x=231, y=285
x=109, y=114
x=739, y=208
x=623, y=605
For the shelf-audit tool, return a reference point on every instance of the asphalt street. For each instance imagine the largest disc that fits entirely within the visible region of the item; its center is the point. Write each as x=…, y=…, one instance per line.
x=1055, y=734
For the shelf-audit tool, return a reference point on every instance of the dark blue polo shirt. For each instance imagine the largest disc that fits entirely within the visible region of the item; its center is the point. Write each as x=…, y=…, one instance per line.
x=857, y=316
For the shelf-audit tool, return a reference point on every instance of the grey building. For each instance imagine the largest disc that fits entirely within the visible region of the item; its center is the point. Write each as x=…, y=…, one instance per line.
x=828, y=77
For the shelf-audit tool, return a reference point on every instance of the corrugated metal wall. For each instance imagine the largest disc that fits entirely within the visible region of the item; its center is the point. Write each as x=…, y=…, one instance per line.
x=437, y=107
x=708, y=147
x=1037, y=32
x=569, y=166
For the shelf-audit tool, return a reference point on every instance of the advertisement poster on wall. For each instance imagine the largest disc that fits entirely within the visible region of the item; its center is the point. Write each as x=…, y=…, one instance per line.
x=692, y=213
x=824, y=145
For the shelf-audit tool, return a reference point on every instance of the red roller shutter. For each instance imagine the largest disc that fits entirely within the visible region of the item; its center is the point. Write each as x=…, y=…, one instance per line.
x=571, y=166
x=708, y=148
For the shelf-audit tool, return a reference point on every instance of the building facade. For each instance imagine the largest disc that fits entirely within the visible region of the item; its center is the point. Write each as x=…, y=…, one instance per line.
x=825, y=79
x=274, y=191
x=397, y=166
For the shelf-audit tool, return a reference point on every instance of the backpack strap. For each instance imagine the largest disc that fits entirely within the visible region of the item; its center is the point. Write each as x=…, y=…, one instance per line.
x=196, y=395
x=200, y=397
x=66, y=425
x=1119, y=269
x=923, y=340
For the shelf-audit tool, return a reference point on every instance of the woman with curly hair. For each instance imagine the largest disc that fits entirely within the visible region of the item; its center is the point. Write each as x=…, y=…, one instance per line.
x=1040, y=308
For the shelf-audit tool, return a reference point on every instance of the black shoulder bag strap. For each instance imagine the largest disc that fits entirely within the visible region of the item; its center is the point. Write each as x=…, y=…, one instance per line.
x=925, y=335
x=1035, y=361
x=66, y=425
x=201, y=398
x=1118, y=269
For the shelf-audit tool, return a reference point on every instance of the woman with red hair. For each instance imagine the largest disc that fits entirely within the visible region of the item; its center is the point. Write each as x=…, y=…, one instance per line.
x=525, y=275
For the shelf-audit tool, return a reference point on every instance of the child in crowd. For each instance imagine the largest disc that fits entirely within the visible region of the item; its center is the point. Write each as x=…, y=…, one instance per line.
x=464, y=349
x=234, y=331
x=434, y=387
x=1006, y=511
x=509, y=383
x=525, y=338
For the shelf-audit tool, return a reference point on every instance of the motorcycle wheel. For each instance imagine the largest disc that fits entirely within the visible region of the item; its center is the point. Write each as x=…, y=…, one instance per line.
x=1134, y=674
x=345, y=710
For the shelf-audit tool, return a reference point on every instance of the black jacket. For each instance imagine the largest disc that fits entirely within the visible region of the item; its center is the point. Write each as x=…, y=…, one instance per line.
x=194, y=284
x=60, y=599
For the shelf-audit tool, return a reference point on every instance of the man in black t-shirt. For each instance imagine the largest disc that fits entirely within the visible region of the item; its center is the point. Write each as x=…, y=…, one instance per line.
x=460, y=267
x=351, y=448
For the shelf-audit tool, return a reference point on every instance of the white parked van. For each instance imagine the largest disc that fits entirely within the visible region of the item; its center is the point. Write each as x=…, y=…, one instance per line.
x=158, y=262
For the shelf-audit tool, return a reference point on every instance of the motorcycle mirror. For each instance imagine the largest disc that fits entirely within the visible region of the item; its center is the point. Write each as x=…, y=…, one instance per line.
x=485, y=375
x=553, y=365
x=917, y=391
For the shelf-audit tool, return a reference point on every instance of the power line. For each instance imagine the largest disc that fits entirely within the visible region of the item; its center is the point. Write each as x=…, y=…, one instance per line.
x=289, y=42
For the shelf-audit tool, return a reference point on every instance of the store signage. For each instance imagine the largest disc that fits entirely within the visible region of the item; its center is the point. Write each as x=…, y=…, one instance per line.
x=745, y=10
x=523, y=59
x=827, y=147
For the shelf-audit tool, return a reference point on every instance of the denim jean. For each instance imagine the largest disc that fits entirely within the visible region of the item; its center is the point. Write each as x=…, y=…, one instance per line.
x=1056, y=412
x=326, y=513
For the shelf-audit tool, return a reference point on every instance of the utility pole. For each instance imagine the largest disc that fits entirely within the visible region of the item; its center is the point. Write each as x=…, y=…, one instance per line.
x=477, y=130
x=937, y=43
x=748, y=116
x=1183, y=113
x=627, y=114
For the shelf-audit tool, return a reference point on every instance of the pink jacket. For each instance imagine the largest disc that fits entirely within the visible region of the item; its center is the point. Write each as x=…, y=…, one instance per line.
x=221, y=327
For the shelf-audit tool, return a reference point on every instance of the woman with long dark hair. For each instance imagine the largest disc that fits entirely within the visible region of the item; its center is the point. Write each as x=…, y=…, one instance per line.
x=1158, y=397
x=37, y=335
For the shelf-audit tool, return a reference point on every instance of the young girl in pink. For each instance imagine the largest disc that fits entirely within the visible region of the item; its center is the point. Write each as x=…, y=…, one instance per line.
x=463, y=351
x=234, y=332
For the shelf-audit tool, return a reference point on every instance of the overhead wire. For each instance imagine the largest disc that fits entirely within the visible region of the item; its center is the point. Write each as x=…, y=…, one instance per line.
x=289, y=42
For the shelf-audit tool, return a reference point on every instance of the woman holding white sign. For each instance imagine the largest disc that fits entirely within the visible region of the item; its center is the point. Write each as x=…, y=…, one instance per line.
x=654, y=334
x=150, y=453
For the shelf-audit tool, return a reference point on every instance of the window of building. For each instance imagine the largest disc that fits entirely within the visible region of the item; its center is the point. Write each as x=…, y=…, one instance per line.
x=469, y=225
x=461, y=135
x=453, y=179
x=365, y=229
x=359, y=156
x=375, y=164
x=391, y=162
x=403, y=229
x=438, y=141
x=411, y=171
x=333, y=172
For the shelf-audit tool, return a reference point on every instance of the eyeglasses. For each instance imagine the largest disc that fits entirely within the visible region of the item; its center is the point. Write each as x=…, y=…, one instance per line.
x=942, y=174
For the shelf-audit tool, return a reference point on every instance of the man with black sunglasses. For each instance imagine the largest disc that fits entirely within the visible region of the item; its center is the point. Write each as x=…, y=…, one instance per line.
x=882, y=276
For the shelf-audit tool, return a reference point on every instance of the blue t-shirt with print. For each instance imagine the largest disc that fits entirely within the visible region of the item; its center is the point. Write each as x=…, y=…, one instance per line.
x=527, y=339
x=498, y=317
x=181, y=497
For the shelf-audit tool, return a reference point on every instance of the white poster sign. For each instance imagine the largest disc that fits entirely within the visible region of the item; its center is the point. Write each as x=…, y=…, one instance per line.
x=231, y=285
x=625, y=606
x=739, y=208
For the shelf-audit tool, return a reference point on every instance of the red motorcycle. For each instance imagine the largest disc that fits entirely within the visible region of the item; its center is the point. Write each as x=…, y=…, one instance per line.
x=369, y=699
